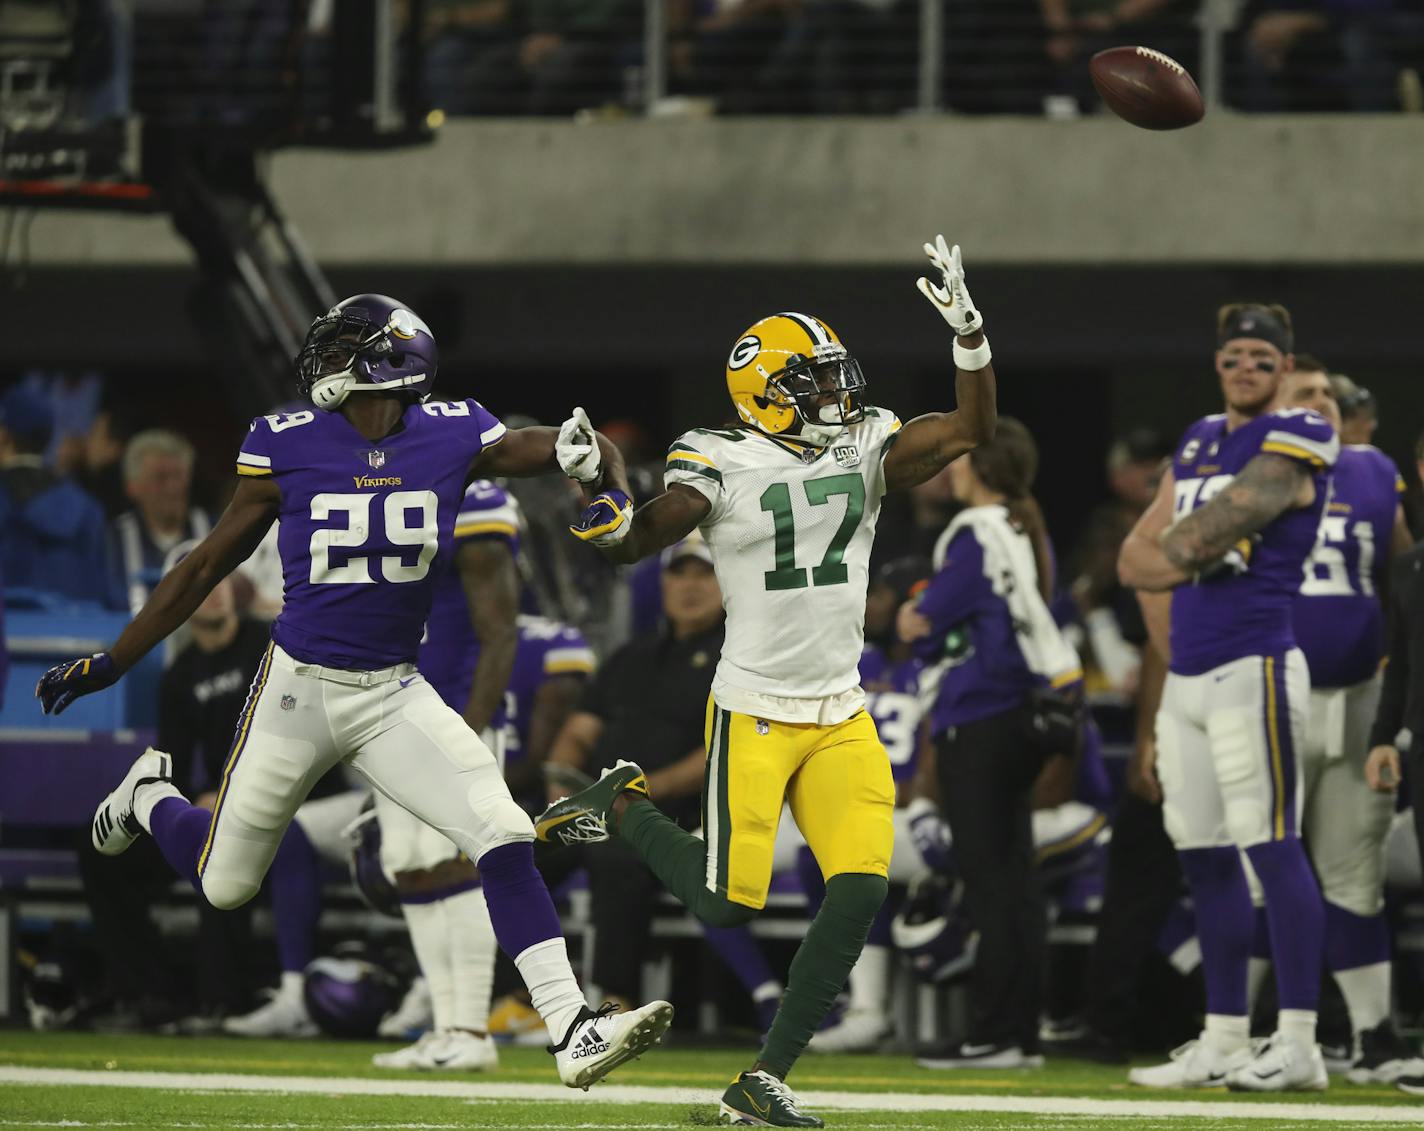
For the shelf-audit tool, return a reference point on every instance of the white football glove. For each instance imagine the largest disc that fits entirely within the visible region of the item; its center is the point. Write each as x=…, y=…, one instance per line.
x=952, y=298
x=577, y=449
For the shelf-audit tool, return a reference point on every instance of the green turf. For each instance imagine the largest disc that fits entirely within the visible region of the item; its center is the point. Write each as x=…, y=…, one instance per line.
x=705, y=1069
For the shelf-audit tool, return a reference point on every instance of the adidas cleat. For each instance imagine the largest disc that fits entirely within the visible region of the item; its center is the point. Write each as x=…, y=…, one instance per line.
x=599, y=1041
x=583, y=818
x=115, y=827
x=759, y=1099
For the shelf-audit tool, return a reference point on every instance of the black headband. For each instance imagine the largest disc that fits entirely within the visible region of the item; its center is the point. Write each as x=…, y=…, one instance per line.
x=1257, y=322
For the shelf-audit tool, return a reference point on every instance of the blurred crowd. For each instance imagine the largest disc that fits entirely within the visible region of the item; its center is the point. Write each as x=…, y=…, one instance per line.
x=268, y=62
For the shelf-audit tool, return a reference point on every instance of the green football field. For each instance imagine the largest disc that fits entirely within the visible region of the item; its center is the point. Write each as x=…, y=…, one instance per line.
x=86, y=1080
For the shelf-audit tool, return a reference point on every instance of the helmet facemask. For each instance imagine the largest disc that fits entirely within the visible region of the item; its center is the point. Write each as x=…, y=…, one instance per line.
x=825, y=390
x=343, y=351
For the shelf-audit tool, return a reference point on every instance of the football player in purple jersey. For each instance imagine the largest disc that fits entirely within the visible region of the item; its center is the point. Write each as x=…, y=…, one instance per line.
x=367, y=484
x=1339, y=625
x=1228, y=535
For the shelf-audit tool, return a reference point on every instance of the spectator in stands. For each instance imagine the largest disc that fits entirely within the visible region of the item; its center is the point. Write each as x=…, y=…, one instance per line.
x=648, y=703
x=719, y=49
x=1317, y=55
x=158, y=477
x=567, y=59
x=1359, y=415
x=456, y=34
x=201, y=696
x=100, y=467
x=51, y=531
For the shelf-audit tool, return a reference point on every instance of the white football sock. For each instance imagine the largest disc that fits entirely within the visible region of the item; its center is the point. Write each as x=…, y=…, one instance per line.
x=430, y=935
x=149, y=795
x=870, y=980
x=1226, y=1033
x=768, y=991
x=472, y=953
x=553, y=990
x=1366, y=990
x=293, y=982
x=1297, y=1024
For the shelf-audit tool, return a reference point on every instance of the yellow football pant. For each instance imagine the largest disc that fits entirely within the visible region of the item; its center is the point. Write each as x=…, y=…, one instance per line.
x=836, y=778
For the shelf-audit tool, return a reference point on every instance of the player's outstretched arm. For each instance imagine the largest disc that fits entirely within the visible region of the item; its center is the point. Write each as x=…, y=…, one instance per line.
x=1141, y=562
x=929, y=443
x=1264, y=489
x=231, y=542
x=535, y=450
x=627, y=537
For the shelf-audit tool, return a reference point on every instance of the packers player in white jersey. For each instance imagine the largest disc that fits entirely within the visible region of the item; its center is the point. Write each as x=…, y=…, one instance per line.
x=787, y=502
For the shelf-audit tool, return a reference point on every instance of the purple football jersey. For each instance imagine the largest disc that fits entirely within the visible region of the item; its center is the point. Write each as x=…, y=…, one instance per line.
x=892, y=698
x=547, y=649
x=449, y=650
x=1339, y=621
x=364, y=526
x=1249, y=614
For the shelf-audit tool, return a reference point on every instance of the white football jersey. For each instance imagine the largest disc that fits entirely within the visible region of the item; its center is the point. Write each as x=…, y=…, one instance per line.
x=790, y=540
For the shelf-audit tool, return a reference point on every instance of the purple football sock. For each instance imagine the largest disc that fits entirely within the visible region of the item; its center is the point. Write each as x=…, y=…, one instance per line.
x=1297, y=916
x=743, y=955
x=1222, y=903
x=180, y=830
x=1354, y=940
x=519, y=904
x=1260, y=933
x=295, y=884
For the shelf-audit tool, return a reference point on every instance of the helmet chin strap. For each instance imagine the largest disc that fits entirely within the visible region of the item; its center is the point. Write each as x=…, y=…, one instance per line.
x=331, y=391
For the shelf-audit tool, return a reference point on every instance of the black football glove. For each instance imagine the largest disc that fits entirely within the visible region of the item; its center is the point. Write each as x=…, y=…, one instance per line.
x=66, y=682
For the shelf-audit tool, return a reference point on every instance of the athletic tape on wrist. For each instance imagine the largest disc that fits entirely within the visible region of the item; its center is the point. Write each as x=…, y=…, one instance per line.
x=976, y=358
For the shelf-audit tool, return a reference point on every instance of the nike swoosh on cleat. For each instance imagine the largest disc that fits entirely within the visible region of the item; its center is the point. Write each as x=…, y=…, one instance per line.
x=756, y=1107
x=1268, y=1075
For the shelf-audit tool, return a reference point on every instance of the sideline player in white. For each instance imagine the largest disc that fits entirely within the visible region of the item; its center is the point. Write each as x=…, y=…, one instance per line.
x=788, y=503
x=367, y=488
x=1234, y=520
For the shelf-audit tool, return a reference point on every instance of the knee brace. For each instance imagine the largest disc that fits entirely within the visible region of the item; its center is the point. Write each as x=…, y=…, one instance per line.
x=1241, y=771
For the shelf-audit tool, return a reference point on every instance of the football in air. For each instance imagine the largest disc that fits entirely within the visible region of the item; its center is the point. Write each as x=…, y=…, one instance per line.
x=1146, y=88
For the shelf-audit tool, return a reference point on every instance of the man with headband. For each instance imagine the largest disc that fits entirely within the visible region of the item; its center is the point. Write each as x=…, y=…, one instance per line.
x=1228, y=536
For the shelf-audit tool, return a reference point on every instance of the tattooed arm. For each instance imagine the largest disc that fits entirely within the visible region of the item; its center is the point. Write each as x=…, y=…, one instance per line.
x=1265, y=488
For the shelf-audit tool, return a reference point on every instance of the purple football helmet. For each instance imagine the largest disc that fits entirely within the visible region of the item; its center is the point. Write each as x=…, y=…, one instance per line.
x=933, y=932
x=366, y=343
x=347, y=997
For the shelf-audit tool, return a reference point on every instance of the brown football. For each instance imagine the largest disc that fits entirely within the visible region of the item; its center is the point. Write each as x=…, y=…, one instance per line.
x=1146, y=88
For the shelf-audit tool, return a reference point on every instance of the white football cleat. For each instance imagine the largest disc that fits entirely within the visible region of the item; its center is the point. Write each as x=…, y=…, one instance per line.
x=462, y=1051
x=858, y=1030
x=115, y=827
x=414, y=1014
x=412, y=1057
x=1281, y=1065
x=1196, y=1064
x=599, y=1041
x=284, y=1015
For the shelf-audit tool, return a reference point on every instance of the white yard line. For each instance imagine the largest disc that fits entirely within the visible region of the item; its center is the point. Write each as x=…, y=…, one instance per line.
x=702, y=1097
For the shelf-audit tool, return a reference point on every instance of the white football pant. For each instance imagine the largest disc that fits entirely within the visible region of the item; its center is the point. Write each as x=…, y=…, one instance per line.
x=388, y=725
x=1227, y=752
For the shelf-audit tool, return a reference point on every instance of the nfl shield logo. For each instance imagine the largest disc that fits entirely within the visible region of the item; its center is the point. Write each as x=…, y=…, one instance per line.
x=846, y=455
x=377, y=459
x=763, y=727
x=289, y=702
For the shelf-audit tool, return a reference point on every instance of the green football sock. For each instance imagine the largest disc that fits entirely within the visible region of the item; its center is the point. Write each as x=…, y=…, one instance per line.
x=679, y=860
x=822, y=964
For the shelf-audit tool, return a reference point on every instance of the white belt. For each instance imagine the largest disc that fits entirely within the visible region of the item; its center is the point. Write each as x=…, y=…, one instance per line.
x=342, y=675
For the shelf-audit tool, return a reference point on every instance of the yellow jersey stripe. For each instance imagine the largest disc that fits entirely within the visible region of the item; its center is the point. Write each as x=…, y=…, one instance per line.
x=244, y=469
x=485, y=528
x=561, y=667
x=1278, y=448
x=684, y=453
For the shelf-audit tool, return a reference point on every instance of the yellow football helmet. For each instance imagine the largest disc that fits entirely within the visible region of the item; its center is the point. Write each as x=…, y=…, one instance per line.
x=789, y=375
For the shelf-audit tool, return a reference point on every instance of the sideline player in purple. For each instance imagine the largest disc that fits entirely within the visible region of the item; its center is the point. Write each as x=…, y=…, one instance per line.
x=1339, y=624
x=1228, y=534
x=367, y=487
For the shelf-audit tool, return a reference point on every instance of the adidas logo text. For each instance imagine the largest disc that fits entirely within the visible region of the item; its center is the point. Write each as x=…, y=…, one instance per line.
x=589, y=1045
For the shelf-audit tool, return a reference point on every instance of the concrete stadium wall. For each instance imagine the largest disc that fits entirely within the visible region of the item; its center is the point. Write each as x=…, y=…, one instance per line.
x=855, y=192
